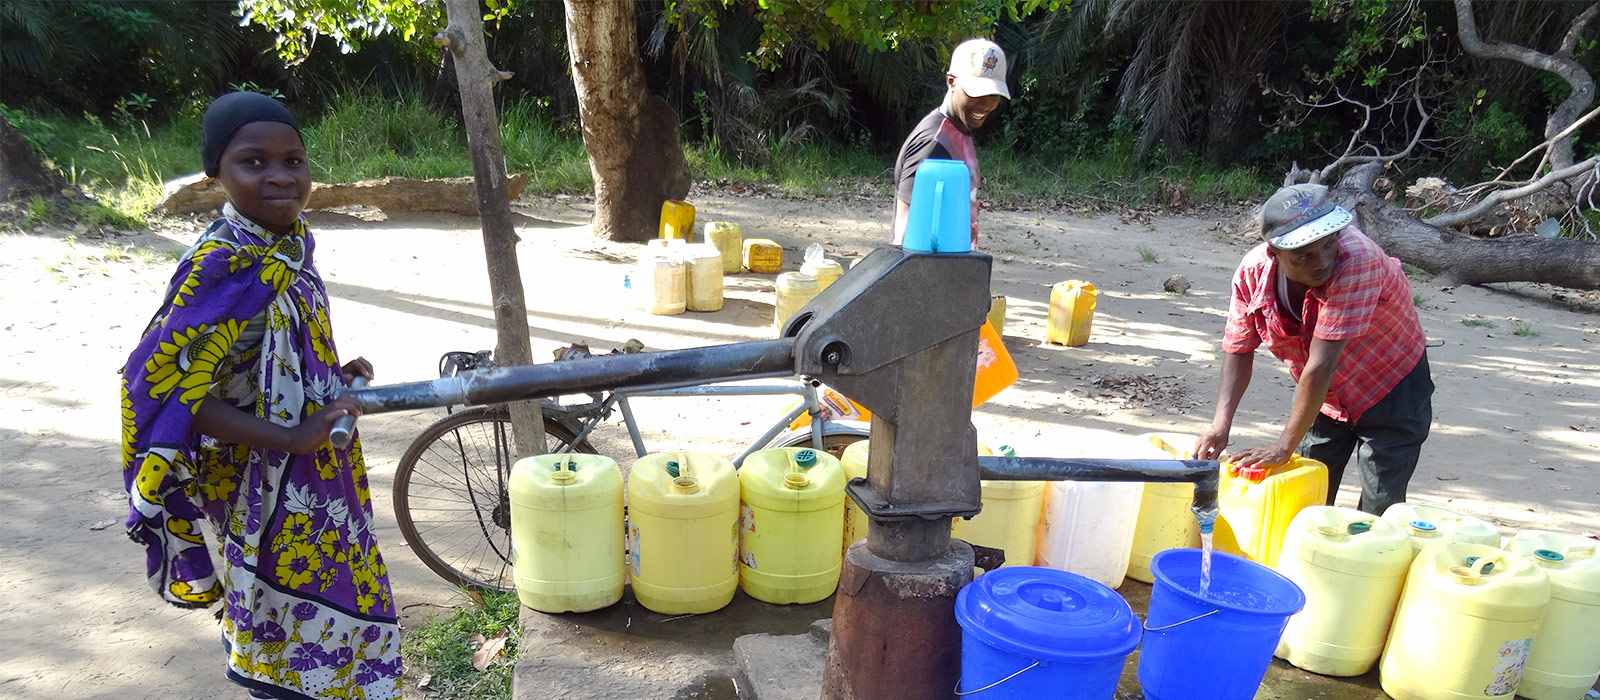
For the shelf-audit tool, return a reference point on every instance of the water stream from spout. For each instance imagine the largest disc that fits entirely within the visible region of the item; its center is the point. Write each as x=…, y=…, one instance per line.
x=1208, y=521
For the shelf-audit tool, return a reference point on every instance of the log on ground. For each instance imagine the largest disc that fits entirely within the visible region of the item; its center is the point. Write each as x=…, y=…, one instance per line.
x=198, y=193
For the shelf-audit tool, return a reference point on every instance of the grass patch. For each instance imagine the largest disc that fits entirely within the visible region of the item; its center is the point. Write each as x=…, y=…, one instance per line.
x=1418, y=299
x=1525, y=329
x=365, y=134
x=1148, y=255
x=1477, y=323
x=441, y=650
x=1414, y=273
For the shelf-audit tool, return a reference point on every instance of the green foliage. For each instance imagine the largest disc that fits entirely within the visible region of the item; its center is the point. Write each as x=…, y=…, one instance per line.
x=1477, y=323
x=348, y=23
x=1497, y=137
x=442, y=648
x=878, y=25
x=38, y=211
x=1525, y=329
x=1418, y=300
x=39, y=133
x=104, y=54
x=1374, y=27
x=1149, y=255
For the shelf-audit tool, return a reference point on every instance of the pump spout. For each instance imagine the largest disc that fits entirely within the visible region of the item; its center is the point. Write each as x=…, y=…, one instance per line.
x=1203, y=473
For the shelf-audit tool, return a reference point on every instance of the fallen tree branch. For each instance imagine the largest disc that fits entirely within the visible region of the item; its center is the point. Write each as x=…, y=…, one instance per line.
x=1457, y=218
x=1459, y=258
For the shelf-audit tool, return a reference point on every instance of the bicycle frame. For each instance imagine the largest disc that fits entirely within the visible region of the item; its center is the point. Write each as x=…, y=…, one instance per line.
x=803, y=388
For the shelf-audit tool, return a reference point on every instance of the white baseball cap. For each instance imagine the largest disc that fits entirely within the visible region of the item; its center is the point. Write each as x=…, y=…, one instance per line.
x=980, y=68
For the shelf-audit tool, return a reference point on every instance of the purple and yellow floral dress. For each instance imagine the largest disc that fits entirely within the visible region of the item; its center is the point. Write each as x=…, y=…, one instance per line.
x=307, y=607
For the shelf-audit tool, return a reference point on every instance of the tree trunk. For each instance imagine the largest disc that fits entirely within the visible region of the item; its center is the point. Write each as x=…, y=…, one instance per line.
x=1560, y=63
x=476, y=77
x=22, y=173
x=1462, y=259
x=1245, y=34
x=630, y=135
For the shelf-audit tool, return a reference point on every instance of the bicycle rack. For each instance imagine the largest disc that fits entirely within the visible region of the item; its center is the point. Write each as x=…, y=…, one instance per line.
x=898, y=333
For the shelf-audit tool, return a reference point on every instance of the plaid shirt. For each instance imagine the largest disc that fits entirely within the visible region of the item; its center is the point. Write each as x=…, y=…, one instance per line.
x=1368, y=303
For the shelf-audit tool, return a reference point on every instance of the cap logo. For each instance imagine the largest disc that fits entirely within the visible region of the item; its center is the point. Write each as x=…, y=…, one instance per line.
x=989, y=61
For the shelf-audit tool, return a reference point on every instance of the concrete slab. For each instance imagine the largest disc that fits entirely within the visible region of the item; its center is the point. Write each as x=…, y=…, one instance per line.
x=626, y=652
x=782, y=667
x=755, y=651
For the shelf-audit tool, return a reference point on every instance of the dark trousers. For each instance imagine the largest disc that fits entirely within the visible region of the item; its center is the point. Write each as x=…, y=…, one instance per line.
x=1387, y=440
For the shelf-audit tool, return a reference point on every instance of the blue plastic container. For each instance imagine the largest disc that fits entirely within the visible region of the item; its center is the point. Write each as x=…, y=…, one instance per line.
x=1032, y=632
x=1216, y=647
x=940, y=218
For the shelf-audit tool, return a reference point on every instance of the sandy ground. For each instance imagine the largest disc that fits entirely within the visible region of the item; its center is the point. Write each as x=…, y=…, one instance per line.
x=1516, y=436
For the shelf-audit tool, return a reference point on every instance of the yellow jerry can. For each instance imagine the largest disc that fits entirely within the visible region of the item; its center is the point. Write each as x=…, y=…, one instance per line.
x=1257, y=504
x=1351, y=566
x=794, y=290
x=825, y=270
x=1009, y=520
x=683, y=532
x=1429, y=525
x=566, y=532
x=1566, y=654
x=1071, y=314
x=677, y=219
x=665, y=281
x=704, y=272
x=1165, y=519
x=729, y=241
x=854, y=463
x=763, y=256
x=997, y=312
x=1466, y=624
x=790, y=524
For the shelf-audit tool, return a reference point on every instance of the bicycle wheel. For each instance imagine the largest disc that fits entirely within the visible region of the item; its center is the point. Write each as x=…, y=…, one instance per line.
x=832, y=443
x=451, y=498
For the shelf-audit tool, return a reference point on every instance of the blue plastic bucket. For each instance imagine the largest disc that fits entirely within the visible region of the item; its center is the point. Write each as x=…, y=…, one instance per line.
x=1216, y=647
x=1032, y=632
x=940, y=216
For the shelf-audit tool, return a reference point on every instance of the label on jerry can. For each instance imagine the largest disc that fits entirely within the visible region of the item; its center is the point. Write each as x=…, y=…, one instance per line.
x=633, y=549
x=1508, y=665
x=747, y=525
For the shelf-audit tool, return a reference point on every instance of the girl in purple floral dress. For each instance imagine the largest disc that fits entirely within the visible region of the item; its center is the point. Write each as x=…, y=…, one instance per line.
x=226, y=407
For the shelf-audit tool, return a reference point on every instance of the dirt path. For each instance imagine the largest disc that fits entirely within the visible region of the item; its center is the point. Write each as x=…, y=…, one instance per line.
x=1516, y=437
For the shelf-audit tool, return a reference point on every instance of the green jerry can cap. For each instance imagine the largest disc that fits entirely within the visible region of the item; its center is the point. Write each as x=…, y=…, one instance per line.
x=1008, y=451
x=672, y=469
x=1358, y=527
x=806, y=458
x=1486, y=567
x=1549, y=555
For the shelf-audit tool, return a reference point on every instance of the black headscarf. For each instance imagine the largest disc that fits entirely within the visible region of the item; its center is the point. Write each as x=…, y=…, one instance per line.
x=230, y=112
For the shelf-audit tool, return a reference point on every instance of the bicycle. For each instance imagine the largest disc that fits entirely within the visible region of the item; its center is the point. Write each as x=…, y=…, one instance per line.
x=451, y=495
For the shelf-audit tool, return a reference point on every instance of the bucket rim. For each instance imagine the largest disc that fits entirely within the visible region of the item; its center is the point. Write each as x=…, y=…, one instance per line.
x=1163, y=579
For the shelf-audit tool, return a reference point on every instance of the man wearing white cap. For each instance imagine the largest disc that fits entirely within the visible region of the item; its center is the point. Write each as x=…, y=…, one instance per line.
x=976, y=82
x=1332, y=305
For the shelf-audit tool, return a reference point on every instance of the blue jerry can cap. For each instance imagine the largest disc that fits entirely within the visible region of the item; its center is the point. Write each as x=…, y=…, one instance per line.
x=1423, y=525
x=806, y=458
x=1048, y=614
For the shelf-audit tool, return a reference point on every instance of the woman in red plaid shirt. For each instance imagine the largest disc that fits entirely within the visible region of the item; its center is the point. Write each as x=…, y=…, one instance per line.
x=1332, y=305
